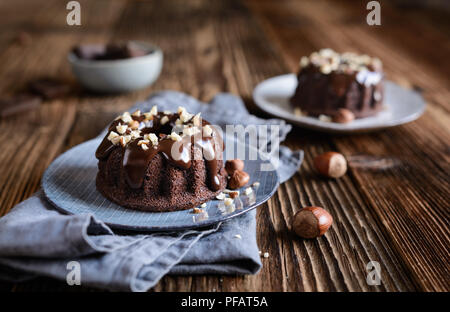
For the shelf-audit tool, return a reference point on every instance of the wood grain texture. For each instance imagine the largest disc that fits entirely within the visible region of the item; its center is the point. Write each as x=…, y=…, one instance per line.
x=397, y=215
x=411, y=199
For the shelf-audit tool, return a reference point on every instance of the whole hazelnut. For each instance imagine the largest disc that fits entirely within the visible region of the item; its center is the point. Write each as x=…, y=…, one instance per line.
x=233, y=165
x=331, y=164
x=343, y=115
x=238, y=179
x=311, y=222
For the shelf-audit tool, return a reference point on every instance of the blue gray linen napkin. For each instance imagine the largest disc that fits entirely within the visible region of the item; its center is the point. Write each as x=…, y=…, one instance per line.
x=36, y=240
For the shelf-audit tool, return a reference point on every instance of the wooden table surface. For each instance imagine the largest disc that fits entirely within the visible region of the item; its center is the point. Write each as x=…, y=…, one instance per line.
x=397, y=214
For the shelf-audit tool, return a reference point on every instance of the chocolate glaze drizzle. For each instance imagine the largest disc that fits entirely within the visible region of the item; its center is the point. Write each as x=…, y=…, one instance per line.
x=178, y=153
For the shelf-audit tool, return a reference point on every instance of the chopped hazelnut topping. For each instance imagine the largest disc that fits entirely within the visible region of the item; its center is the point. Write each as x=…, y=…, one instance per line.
x=228, y=201
x=122, y=141
x=180, y=110
x=135, y=134
x=234, y=194
x=153, y=138
x=304, y=61
x=203, y=205
x=207, y=131
x=328, y=61
x=325, y=118
x=140, y=142
x=248, y=191
x=153, y=112
x=167, y=112
x=221, y=196
x=113, y=137
x=134, y=124
x=376, y=62
x=148, y=116
x=191, y=131
x=126, y=117
x=185, y=116
x=144, y=147
x=174, y=136
x=298, y=112
x=197, y=120
x=197, y=210
x=164, y=120
x=121, y=128
x=325, y=69
x=178, y=122
x=137, y=113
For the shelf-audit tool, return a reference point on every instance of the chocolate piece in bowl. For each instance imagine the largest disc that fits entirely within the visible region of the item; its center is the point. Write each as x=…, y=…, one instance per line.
x=110, y=51
x=89, y=51
x=329, y=81
x=136, y=51
x=140, y=169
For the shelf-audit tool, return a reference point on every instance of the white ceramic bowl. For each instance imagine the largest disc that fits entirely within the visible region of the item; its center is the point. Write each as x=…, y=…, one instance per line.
x=115, y=76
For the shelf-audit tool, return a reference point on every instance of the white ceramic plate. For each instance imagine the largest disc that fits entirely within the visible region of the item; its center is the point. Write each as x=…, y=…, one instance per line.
x=401, y=106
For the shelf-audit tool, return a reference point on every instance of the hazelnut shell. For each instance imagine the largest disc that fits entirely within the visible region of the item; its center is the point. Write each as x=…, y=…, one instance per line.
x=343, y=115
x=331, y=164
x=233, y=165
x=238, y=179
x=311, y=222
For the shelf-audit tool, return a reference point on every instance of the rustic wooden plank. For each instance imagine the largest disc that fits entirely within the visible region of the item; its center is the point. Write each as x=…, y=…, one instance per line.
x=255, y=60
x=42, y=132
x=32, y=140
x=220, y=46
x=410, y=201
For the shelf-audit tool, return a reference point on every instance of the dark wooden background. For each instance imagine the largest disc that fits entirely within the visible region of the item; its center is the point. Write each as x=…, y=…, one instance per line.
x=397, y=215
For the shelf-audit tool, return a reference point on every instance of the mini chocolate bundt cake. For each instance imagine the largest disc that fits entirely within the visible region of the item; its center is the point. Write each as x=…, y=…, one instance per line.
x=329, y=81
x=160, y=161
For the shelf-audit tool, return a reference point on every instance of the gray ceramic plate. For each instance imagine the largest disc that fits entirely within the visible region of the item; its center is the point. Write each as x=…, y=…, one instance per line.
x=401, y=106
x=69, y=183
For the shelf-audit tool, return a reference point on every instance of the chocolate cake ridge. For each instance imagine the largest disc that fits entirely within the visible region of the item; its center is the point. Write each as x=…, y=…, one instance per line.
x=160, y=161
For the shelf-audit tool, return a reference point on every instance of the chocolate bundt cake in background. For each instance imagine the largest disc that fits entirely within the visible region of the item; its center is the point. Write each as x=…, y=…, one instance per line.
x=160, y=161
x=329, y=81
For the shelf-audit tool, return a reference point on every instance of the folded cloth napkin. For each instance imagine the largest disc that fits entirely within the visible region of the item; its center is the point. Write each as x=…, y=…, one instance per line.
x=37, y=240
